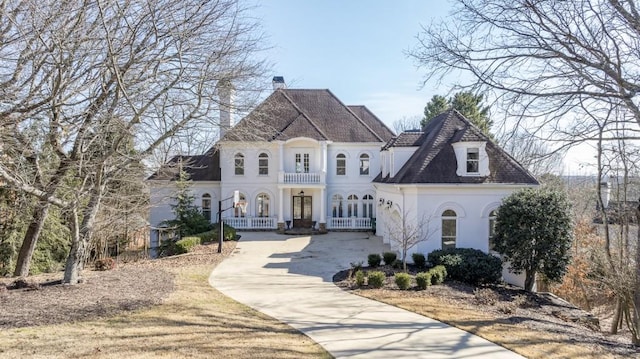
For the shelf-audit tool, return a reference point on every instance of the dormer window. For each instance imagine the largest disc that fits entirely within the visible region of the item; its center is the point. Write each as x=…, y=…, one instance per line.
x=473, y=160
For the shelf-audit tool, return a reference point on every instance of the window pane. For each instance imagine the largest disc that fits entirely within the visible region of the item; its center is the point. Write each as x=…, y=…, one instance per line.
x=448, y=213
x=364, y=164
x=239, y=164
x=263, y=164
x=473, y=160
x=448, y=227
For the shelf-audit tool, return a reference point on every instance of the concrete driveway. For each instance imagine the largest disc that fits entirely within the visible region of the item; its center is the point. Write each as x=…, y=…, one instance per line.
x=290, y=279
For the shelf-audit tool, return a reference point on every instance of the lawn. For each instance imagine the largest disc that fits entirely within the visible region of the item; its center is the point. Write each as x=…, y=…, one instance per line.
x=193, y=321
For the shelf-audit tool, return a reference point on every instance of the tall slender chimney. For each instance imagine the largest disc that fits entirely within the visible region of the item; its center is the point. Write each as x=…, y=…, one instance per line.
x=225, y=95
x=278, y=83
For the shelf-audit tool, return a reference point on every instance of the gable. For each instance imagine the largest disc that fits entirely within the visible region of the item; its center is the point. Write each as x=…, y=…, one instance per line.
x=435, y=161
x=316, y=114
x=199, y=168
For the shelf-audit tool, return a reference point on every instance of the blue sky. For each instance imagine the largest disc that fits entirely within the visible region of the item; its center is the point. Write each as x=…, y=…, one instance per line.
x=354, y=48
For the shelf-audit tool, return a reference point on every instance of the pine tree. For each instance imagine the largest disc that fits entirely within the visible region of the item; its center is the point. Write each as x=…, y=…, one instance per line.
x=189, y=219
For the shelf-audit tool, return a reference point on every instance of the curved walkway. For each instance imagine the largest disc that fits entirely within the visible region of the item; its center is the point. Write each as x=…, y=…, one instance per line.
x=290, y=278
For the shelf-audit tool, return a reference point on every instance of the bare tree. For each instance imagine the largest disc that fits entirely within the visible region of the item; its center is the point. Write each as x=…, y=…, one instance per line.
x=80, y=79
x=406, y=233
x=550, y=63
x=407, y=124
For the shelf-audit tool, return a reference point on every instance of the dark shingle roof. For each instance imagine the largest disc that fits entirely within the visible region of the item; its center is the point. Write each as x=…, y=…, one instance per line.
x=317, y=114
x=435, y=162
x=405, y=139
x=372, y=121
x=200, y=167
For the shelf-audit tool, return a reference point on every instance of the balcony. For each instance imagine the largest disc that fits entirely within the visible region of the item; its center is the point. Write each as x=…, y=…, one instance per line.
x=301, y=178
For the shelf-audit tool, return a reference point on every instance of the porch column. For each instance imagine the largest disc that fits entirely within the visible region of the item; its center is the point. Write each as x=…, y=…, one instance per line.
x=323, y=205
x=323, y=157
x=280, y=209
x=281, y=155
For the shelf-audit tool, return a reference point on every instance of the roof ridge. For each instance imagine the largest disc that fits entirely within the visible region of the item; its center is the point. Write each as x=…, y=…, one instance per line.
x=436, y=134
x=305, y=116
x=377, y=118
x=356, y=116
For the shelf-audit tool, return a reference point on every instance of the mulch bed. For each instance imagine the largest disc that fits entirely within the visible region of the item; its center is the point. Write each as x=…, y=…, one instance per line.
x=43, y=300
x=508, y=304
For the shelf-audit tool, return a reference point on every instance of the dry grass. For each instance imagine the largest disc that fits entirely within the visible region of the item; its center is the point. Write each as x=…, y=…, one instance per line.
x=507, y=332
x=195, y=321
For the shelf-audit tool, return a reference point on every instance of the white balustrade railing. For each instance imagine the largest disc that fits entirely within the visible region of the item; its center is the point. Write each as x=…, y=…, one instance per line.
x=251, y=222
x=302, y=178
x=349, y=223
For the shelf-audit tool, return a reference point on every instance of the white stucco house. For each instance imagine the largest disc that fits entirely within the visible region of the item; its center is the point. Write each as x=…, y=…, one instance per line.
x=303, y=159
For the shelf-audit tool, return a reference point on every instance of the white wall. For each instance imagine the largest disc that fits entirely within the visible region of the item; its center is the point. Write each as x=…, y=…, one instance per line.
x=426, y=203
x=163, y=191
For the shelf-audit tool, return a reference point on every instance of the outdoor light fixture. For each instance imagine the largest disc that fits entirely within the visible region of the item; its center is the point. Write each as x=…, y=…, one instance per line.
x=301, y=193
x=389, y=204
x=380, y=201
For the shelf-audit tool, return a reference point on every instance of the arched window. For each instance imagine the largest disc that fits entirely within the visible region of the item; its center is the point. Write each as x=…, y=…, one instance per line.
x=352, y=206
x=492, y=228
x=336, y=206
x=240, y=209
x=364, y=164
x=449, y=229
x=262, y=205
x=239, y=164
x=367, y=206
x=206, y=206
x=341, y=164
x=263, y=164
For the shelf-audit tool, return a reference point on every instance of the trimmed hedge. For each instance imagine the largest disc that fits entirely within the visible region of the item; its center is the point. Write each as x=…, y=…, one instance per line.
x=389, y=257
x=186, y=244
x=468, y=265
x=403, y=280
x=374, y=260
x=212, y=235
x=438, y=274
x=423, y=280
x=419, y=260
x=360, y=277
x=376, y=279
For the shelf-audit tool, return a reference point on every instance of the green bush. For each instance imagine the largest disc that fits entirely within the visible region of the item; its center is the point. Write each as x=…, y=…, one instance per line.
x=419, y=260
x=206, y=237
x=360, y=278
x=212, y=235
x=397, y=264
x=423, y=280
x=468, y=265
x=376, y=279
x=186, y=244
x=403, y=280
x=438, y=274
x=389, y=258
x=374, y=260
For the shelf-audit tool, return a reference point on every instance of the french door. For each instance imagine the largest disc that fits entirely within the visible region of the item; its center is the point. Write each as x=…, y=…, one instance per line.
x=302, y=211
